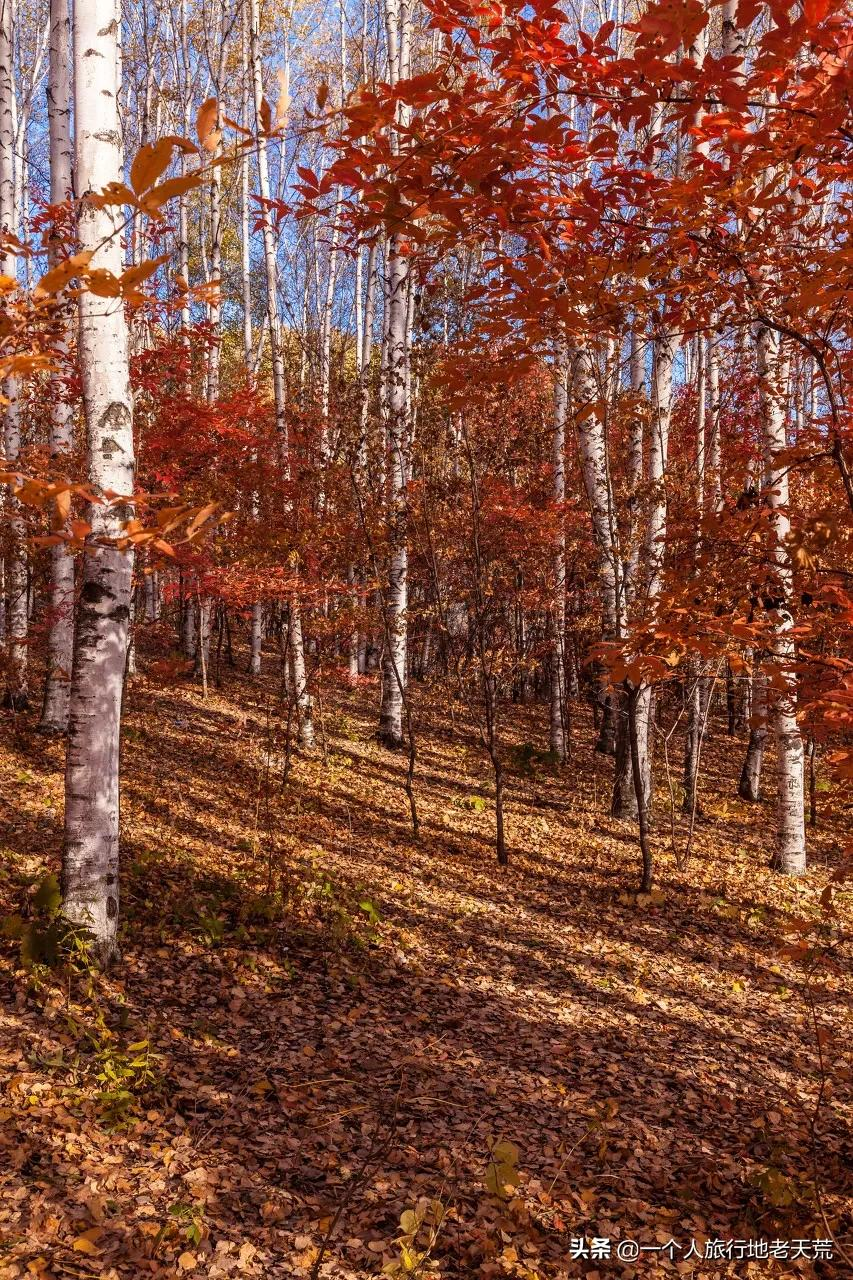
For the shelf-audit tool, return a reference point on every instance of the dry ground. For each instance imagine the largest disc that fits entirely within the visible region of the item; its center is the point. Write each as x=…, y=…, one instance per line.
x=336, y=1022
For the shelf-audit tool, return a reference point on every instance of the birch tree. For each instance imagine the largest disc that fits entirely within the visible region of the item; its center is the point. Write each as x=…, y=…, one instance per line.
x=398, y=339
x=54, y=718
x=296, y=642
x=790, y=856
x=90, y=872
x=16, y=560
x=558, y=735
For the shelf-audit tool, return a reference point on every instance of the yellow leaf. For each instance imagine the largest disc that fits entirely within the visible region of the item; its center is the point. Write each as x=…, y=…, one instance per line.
x=186, y=1261
x=85, y=1243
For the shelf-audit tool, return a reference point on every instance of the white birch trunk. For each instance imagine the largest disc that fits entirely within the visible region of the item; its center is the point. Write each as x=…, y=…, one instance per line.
x=790, y=855
x=16, y=560
x=712, y=452
x=257, y=624
x=394, y=656
x=214, y=314
x=558, y=736
x=183, y=205
x=398, y=339
x=698, y=688
x=624, y=798
x=90, y=866
x=592, y=445
x=749, y=787
x=54, y=717
x=297, y=650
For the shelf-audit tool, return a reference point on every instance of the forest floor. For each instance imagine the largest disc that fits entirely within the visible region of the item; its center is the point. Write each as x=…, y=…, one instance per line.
x=320, y=1025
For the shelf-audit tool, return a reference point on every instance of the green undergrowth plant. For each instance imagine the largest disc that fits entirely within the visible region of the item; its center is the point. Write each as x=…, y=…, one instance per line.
x=45, y=939
x=420, y=1227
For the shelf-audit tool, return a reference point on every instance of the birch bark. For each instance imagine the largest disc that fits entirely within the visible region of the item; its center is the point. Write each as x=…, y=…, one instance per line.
x=90, y=872
x=558, y=737
x=398, y=338
x=257, y=623
x=54, y=717
x=16, y=560
x=297, y=649
x=790, y=854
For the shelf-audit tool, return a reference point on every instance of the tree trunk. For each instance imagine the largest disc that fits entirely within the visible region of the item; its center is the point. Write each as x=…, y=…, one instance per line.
x=790, y=853
x=257, y=638
x=749, y=787
x=558, y=737
x=204, y=613
x=90, y=872
x=16, y=558
x=596, y=476
x=394, y=665
x=303, y=700
x=637, y=733
x=54, y=716
x=257, y=624
x=698, y=698
x=188, y=626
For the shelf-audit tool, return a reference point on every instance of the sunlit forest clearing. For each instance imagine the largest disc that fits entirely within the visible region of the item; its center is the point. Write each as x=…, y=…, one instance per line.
x=426, y=639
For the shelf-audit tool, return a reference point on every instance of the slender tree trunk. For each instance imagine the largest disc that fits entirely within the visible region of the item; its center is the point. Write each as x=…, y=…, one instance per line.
x=812, y=754
x=130, y=665
x=214, y=314
x=637, y=731
x=183, y=245
x=257, y=625
x=698, y=689
x=90, y=871
x=749, y=787
x=558, y=737
x=394, y=665
x=16, y=560
x=592, y=443
x=188, y=626
x=624, y=799
x=303, y=698
x=712, y=451
x=54, y=717
x=353, y=646
x=790, y=854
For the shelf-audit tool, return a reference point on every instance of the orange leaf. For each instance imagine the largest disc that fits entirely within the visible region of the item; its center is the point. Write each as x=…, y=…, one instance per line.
x=58, y=277
x=208, y=134
x=167, y=190
x=150, y=162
